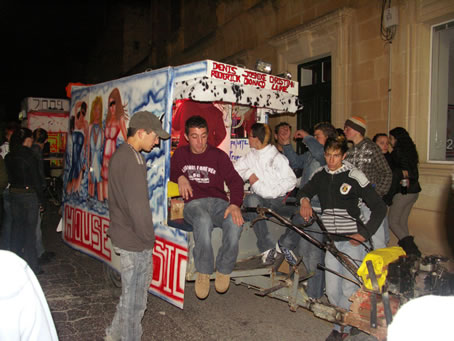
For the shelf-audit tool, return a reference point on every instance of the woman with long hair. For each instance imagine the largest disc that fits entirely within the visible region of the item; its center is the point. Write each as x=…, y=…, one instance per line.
x=405, y=167
x=95, y=150
x=26, y=196
x=115, y=123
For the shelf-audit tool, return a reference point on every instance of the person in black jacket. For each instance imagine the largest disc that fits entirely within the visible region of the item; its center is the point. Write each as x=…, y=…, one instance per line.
x=340, y=187
x=405, y=168
x=26, y=196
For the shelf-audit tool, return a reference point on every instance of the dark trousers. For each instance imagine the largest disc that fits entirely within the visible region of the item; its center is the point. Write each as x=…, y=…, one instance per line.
x=24, y=211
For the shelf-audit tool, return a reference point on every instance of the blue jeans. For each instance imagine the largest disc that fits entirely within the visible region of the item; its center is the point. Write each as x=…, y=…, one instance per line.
x=312, y=255
x=380, y=238
x=136, y=272
x=338, y=289
x=204, y=214
x=24, y=212
x=7, y=221
x=264, y=241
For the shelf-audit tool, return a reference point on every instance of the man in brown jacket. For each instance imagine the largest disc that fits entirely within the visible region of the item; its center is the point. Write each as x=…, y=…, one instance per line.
x=131, y=223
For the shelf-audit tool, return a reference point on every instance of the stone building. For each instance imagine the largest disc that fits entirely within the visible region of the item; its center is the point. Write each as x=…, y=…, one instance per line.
x=389, y=65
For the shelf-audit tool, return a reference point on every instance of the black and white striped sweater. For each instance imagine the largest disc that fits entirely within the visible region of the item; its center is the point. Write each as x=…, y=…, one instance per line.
x=340, y=193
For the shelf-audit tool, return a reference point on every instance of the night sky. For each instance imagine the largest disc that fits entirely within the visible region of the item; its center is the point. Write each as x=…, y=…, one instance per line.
x=42, y=45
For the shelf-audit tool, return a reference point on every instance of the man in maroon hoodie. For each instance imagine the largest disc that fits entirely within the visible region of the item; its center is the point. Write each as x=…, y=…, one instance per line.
x=200, y=171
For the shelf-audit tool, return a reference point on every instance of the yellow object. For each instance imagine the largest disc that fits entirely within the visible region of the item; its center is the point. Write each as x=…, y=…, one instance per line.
x=172, y=190
x=380, y=259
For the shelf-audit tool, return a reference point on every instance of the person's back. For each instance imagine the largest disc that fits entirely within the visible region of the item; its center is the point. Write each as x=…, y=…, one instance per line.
x=24, y=312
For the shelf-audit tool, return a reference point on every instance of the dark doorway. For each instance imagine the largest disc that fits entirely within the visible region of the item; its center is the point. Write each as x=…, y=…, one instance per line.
x=314, y=79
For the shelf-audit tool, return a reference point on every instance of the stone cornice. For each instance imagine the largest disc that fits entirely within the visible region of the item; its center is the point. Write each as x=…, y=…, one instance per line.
x=331, y=17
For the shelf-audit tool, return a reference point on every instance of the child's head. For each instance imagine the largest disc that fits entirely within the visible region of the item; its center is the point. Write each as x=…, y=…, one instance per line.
x=335, y=150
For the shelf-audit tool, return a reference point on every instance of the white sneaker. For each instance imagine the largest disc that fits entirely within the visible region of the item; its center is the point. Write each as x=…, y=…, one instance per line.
x=269, y=256
x=290, y=257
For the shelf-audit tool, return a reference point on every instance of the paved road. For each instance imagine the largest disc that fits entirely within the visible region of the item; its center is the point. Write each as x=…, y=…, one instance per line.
x=82, y=305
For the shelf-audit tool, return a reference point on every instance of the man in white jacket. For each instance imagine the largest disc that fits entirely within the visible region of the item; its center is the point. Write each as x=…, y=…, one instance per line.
x=270, y=178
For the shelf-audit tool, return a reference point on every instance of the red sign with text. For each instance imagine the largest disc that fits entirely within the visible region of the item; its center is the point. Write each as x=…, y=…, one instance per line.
x=87, y=230
x=169, y=270
x=235, y=74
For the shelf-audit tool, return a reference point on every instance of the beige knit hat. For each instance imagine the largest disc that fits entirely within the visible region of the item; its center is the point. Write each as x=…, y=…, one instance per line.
x=358, y=123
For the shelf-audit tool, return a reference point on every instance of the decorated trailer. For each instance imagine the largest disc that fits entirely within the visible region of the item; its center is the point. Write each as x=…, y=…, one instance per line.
x=51, y=114
x=231, y=97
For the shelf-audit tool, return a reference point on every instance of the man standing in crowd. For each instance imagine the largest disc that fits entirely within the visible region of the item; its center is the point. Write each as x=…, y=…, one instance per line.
x=270, y=178
x=39, y=140
x=5, y=216
x=131, y=223
x=367, y=157
x=309, y=161
x=200, y=171
x=340, y=188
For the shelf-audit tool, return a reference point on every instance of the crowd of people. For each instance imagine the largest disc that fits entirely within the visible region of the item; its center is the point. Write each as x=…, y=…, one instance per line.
x=23, y=183
x=344, y=176
x=24, y=312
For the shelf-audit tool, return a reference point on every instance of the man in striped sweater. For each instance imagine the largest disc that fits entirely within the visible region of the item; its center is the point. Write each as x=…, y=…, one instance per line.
x=340, y=187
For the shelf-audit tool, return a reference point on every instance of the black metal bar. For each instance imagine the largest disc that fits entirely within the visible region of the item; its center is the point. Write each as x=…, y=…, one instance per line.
x=387, y=308
x=373, y=296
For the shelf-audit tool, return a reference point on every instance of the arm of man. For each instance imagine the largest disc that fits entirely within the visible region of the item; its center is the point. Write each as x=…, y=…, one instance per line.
x=295, y=160
x=37, y=179
x=305, y=195
x=3, y=175
x=315, y=148
x=383, y=171
x=176, y=175
x=374, y=202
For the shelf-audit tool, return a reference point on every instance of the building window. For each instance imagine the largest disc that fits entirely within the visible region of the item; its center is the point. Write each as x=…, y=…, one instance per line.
x=441, y=140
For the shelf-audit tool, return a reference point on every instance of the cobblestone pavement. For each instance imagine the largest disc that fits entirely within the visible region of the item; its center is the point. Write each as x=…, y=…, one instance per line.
x=83, y=304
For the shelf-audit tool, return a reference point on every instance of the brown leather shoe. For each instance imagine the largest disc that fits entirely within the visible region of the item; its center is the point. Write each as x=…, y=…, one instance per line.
x=222, y=282
x=202, y=285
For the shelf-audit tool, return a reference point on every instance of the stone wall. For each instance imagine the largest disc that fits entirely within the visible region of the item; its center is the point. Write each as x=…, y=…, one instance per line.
x=388, y=84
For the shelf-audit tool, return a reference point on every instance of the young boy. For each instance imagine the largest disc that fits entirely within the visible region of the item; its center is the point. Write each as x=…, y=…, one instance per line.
x=341, y=187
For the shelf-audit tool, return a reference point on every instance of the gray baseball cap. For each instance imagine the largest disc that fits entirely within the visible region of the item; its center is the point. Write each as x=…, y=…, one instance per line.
x=149, y=122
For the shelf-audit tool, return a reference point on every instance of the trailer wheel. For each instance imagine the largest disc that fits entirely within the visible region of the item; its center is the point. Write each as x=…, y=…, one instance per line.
x=112, y=276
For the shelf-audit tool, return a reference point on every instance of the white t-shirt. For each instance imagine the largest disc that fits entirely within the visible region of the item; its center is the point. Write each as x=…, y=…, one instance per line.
x=24, y=312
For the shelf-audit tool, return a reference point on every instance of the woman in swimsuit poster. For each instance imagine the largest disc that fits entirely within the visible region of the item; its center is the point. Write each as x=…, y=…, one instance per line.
x=115, y=123
x=95, y=150
x=79, y=134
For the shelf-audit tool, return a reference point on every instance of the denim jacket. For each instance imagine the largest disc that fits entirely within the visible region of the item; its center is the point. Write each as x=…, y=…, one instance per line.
x=310, y=161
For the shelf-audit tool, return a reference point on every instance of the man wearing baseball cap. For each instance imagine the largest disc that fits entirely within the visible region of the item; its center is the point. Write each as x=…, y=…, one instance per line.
x=131, y=223
x=366, y=156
